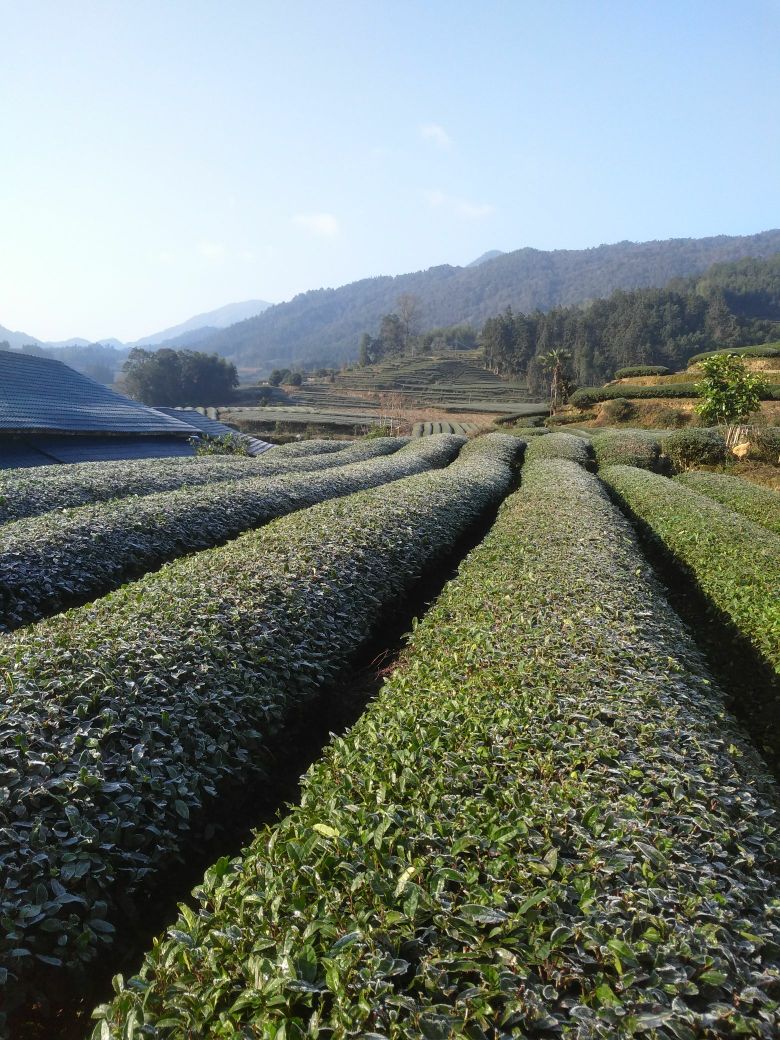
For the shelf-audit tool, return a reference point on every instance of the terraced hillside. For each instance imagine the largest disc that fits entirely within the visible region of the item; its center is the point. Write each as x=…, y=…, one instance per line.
x=552, y=813
x=455, y=382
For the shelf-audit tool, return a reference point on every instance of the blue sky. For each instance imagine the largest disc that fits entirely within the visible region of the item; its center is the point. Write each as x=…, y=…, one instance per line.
x=162, y=159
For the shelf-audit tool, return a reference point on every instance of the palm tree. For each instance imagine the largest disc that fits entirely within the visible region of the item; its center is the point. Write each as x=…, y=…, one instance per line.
x=555, y=362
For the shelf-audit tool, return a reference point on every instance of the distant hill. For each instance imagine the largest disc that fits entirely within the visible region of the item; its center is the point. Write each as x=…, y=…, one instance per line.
x=324, y=326
x=15, y=339
x=490, y=255
x=205, y=323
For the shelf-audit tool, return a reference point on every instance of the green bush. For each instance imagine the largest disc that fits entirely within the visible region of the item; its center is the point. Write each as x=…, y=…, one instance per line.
x=693, y=447
x=227, y=444
x=560, y=446
x=629, y=447
x=766, y=350
x=641, y=370
x=735, y=563
x=758, y=504
x=587, y=396
x=176, y=687
x=765, y=444
x=618, y=410
x=29, y=492
x=544, y=825
x=49, y=561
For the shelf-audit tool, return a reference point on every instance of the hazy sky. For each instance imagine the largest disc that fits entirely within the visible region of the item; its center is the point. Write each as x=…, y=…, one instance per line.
x=158, y=159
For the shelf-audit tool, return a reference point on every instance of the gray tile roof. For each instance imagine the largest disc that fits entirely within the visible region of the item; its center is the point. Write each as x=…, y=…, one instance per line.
x=45, y=395
x=214, y=428
x=47, y=450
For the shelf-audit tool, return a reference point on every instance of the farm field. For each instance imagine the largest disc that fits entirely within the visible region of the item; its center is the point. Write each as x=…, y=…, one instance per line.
x=500, y=845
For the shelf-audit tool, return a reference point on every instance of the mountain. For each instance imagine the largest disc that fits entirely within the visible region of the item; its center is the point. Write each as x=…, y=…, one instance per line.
x=324, y=326
x=490, y=255
x=15, y=339
x=221, y=318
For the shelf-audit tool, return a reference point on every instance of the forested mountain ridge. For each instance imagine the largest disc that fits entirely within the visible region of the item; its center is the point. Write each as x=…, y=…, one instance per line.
x=730, y=305
x=324, y=326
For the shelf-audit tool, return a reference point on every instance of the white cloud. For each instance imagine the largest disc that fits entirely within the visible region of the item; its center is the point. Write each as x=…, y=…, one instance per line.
x=436, y=134
x=214, y=251
x=323, y=225
x=459, y=207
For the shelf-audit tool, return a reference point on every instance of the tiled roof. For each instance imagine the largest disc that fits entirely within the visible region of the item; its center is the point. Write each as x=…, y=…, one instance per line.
x=214, y=428
x=46, y=395
x=46, y=450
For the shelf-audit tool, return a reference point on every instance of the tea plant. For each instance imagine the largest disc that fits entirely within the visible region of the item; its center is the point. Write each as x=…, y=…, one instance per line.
x=545, y=825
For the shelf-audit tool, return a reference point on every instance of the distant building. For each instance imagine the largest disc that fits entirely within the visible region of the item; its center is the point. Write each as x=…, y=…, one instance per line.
x=50, y=413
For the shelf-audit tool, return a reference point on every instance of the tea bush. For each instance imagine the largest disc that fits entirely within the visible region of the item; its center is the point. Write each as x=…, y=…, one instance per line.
x=120, y=721
x=735, y=563
x=49, y=561
x=545, y=825
x=629, y=447
x=693, y=447
x=29, y=492
x=756, y=503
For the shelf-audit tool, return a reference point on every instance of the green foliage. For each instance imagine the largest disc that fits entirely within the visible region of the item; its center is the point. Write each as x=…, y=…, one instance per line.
x=47, y=562
x=324, y=326
x=768, y=350
x=641, y=370
x=561, y=446
x=177, y=686
x=693, y=447
x=627, y=447
x=729, y=392
x=734, y=562
x=618, y=410
x=227, y=444
x=178, y=377
x=29, y=492
x=536, y=828
x=759, y=504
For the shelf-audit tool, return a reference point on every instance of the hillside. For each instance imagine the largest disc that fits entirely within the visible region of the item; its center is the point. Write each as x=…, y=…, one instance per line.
x=324, y=326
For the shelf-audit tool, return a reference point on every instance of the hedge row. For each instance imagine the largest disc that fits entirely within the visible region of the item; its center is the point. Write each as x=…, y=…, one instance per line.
x=694, y=447
x=628, y=447
x=121, y=720
x=561, y=446
x=768, y=350
x=758, y=504
x=50, y=561
x=641, y=370
x=545, y=825
x=736, y=563
x=587, y=396
x=29, y=492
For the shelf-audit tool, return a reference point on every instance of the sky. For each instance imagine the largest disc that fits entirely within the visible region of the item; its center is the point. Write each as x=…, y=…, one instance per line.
x=158, y=160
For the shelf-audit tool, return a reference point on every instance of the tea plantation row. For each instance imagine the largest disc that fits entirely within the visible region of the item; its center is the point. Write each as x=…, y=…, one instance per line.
x=48, y=561
x=120, y=721
x=546, y=824
x=28, y=492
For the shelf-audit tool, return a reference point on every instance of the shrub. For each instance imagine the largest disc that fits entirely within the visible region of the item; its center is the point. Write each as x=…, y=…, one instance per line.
x=545, y=824
x=51, y=561
x=227, y=444
x=560, y=446
x=633, y=371
x=735, y=563
x=672, y=417
x=768, y=350
x=764, y=444
x=758, y=504
x=587, y=396
x=29, y=492
x=693, y=447
x=629, y=447
x=177, y=685
x=618, y=410
x=728, y=393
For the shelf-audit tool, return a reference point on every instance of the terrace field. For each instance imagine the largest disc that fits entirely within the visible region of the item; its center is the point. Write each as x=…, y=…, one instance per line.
x=531, y=679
